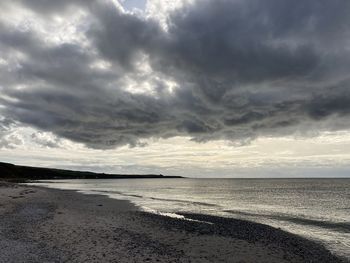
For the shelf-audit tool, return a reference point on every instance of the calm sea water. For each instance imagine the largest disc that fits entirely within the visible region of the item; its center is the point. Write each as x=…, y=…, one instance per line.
x=318, y=209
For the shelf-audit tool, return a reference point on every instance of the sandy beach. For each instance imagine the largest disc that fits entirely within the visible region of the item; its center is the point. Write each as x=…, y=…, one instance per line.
x=47, y=225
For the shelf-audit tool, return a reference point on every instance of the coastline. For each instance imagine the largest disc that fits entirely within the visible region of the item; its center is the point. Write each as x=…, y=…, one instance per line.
x=49, y=225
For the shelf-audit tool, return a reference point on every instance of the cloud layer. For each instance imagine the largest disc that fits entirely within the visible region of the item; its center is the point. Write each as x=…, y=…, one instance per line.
x=94, y=73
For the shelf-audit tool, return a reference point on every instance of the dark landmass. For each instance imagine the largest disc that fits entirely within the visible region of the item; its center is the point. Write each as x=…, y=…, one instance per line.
x=13, y=172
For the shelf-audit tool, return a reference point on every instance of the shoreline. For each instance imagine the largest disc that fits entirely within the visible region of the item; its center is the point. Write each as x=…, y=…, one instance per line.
x=42, y=224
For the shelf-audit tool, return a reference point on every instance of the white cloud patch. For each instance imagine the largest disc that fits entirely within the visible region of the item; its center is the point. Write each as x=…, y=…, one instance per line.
x=324, y=155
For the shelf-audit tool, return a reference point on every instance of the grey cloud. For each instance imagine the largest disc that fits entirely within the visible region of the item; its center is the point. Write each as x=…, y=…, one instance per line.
x=8, y=139
x=120, y=37
x=47, y=7
x=243, y=69
x=44, y=141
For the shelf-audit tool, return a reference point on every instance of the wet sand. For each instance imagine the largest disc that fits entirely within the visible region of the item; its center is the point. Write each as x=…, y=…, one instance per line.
x=48, y=225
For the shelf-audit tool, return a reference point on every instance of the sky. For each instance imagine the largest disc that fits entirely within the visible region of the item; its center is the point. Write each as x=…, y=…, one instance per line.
x=202, y=88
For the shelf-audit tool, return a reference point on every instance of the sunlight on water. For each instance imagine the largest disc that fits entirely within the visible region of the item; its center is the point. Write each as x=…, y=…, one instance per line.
x=315, y=208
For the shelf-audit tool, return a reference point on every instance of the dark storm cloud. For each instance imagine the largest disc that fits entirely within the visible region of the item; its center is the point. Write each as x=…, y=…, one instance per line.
x=243, y=69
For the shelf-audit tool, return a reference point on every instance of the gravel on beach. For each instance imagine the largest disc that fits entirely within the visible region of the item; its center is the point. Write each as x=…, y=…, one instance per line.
x=47, y=225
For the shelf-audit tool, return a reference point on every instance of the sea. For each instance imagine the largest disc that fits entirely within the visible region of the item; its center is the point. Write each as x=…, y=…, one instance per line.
x=318, y=209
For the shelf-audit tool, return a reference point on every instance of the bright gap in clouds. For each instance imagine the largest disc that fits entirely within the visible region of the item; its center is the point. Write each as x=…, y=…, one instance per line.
x=131, y=5
x=326, y=155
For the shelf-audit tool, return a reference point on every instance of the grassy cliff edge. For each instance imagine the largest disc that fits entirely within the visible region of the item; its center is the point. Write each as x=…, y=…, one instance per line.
x=17, y=172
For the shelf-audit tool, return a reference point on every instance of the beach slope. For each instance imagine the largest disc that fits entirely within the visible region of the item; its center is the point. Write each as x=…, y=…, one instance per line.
x=47, y=225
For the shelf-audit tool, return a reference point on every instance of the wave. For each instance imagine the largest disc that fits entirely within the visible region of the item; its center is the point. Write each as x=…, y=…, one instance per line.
x=157, y=198
x=116, y=192
x=184, y=201
x=338, y=226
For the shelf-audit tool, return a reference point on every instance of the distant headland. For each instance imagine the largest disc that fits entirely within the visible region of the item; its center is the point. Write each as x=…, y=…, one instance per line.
x=10, y=171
